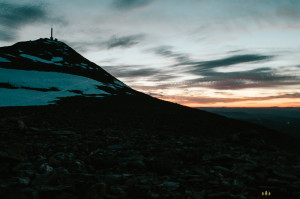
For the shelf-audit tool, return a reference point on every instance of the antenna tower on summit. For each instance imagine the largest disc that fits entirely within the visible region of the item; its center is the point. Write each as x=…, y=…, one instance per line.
x=51, y=38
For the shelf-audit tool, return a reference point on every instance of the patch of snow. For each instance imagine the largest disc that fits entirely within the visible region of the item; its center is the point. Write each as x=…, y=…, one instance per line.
x=4, y=60
x=119, y=84
x=25, y=97
x=57, y=59
x=37, y=59
x=39, y=79
x=10, y=55
x=82, y=65
x=111, y=86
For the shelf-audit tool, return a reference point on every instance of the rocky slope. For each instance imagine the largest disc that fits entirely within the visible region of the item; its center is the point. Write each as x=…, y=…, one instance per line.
x=118, y=152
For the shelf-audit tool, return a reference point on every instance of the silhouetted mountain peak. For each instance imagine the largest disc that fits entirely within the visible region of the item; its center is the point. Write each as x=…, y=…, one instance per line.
x=51, y=66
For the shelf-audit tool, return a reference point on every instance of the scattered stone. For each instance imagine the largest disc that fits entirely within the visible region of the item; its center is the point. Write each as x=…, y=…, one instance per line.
x=110, y=164
x=45, y=168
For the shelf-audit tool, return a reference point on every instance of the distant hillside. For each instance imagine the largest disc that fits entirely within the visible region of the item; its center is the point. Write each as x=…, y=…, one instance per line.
x=286, y=120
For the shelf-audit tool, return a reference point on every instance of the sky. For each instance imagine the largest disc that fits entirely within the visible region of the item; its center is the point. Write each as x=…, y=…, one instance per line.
x=198, y=53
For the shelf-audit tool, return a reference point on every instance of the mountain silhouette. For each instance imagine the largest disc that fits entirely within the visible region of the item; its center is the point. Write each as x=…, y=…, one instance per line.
x=69, y=129
x=45, y=70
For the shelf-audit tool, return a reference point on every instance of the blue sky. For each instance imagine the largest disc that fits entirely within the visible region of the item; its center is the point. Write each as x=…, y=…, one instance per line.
x=193, y=52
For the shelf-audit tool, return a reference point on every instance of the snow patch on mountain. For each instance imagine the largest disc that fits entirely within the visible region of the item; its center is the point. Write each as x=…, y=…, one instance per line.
x=57, y=59
x=25, y=83
x=119, y=84
x=37, y=59
x=25, y=97
x=4, y=60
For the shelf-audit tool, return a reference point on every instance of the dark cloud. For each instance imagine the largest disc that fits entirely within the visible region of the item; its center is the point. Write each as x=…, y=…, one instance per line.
x=7, y=36
x=133, y=72
x=167, y=51
x=289, y=9
x=236, y=59
x=123, y=42
x=14, y=16
x=129, y=4
x=284, y=95
x=161, y=77
x=155, y=94
x=144, y=72
x=256, y=78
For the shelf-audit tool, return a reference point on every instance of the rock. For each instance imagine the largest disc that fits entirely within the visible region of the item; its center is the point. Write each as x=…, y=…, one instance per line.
x=54, y=161
x=277, y=182
x=10, y=156
x=23, y=166
x=40, y=159
x=29, y=193
x=50, y=192
x=23, y=181
x=21, y=126
x=96, y=191
x=117, y=191
x=102, y=161
x=135, y=164
x=169, y=185
x=161, y=165
x=219, y=195
x=285, y=176
x=115, y=147
x=153, y=195
x=8, y=160
x=220, y=168
x=110, y=179
x=45, y=168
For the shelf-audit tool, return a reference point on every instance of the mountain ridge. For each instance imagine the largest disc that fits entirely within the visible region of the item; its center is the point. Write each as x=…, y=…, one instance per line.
x=44, y=60
x=97, y=138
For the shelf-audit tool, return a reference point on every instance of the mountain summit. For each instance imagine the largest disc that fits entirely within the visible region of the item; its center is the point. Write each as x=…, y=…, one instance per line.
x=42, y=71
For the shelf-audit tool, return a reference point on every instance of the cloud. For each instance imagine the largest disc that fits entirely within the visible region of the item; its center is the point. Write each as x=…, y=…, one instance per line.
x=123, y=42
x=129, y=4
x=167, y=51
x=14, y=16
x=7, y=36
x=135, y=72
x=233, y=60
x=143, y=72
x=256, y=78
x=84, y=45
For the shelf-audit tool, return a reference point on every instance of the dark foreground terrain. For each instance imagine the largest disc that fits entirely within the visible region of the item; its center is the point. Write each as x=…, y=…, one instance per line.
x=140, y=147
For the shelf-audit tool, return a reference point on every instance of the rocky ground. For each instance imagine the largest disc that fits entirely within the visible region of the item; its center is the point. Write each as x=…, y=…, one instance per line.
x=111, y=163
